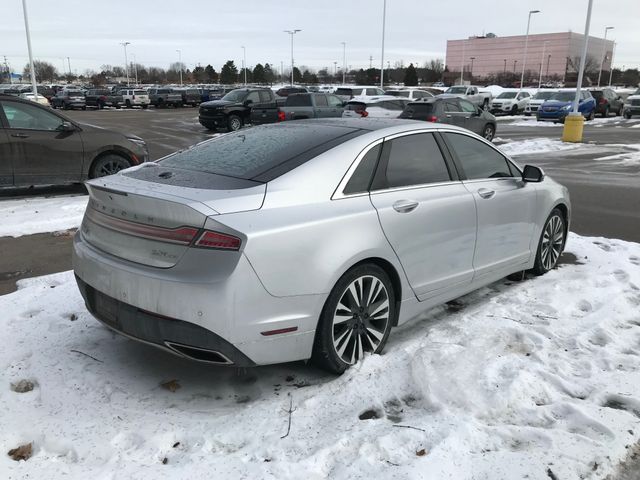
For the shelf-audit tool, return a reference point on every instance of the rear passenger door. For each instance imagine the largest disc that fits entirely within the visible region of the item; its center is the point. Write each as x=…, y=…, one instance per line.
x=427, y=214
x=336, y=106
x=505, y=204
x=6, y=157
x=453, y=114
x=321, y=107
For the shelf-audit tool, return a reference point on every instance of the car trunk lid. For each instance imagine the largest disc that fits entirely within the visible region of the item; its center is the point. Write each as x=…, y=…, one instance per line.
x=152, y=215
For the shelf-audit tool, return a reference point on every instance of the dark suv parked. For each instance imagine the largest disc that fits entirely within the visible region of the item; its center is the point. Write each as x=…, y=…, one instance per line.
x=454, y=111
x=41, y=147
x=607, y=101
x=234, y=109
x=286, y=91
x=69, y=99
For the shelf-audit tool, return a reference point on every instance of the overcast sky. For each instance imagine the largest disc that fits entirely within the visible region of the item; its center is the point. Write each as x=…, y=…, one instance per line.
x=212, y=32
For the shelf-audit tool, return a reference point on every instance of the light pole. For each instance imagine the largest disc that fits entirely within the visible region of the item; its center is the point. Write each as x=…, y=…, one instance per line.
x=384, y=22
x=472, y=59
x=135, y=68
x=26, y=27
x=544, y=47
x=611, y=69
x=514, y=66
x=292, y=33
x=69, y=63
x=574, y=122
x=505, y=66
x=464, y=44
x=180, y=64
x=126, y=60
x=604, y=52
x=526, y=42
x=344, y=61
x=548, y=62
x=335, y=70
x=244, y=64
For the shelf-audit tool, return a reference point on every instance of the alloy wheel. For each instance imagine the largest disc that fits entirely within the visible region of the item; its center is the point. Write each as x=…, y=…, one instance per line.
x=488, y=132
x=111, y=167
x=361, y=318
x=552, y=240
x=235, y=124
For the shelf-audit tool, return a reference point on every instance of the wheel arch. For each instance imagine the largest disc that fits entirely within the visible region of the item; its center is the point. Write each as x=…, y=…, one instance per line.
x=111, y=150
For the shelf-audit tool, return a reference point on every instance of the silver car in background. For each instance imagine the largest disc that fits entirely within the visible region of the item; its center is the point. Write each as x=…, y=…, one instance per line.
x=309, y=239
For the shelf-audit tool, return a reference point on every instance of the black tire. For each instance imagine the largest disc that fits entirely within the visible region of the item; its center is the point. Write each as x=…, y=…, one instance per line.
x=234, y=123
x=128, y=103
x=144, y=107
x=340, y=345
x=489, y=132
x=527, y=114
x=555, y=228
x=84, y=108
x=108, y=164
x=627, y=115
x=514, y=110
x=118, y=106
x=605, y=114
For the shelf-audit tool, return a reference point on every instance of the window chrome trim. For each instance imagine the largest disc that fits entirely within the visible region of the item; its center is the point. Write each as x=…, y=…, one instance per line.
x=339, y=191
x=413, y=187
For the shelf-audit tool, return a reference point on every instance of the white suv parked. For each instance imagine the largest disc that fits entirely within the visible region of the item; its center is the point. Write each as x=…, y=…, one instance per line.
x=410, y=93
x=510, y=102
x=384, y=106
x=348, y=92
x=135, y=98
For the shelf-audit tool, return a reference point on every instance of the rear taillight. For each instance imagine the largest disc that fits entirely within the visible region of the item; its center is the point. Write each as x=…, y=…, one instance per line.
x=281, y=116
x=431, y=118
x=223, y=241
x=364, y=113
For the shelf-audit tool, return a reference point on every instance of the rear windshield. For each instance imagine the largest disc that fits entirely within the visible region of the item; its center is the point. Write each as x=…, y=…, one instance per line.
x=356, y=106
x=139, y=92
x=507, y=95
x=457, y=90
x=349, y=91
x=298, y=100
x=417, y=109
x=74, y=93
x=261, y=153
x=398, y=93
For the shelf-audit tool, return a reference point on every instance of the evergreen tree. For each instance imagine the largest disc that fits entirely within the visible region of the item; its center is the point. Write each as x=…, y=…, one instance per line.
x=259, y=74
x=269, y=74
x=410, y=76
x=210, y=74
x=229, y=73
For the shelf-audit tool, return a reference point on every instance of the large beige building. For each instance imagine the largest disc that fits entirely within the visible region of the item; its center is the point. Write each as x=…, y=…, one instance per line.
x=556, y=53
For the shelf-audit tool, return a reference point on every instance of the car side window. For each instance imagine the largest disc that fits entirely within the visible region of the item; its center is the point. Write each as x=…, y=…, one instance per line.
x=29, y=117
x=321, y=101
x=334, y=101
x=264, y=96
x=411, y=160
x=253, y=97
x=450, y=106
x=477, y=159
x=361, y=177
x=467, y=107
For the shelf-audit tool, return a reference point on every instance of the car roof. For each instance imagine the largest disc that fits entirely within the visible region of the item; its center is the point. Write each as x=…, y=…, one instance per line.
x=373, y=124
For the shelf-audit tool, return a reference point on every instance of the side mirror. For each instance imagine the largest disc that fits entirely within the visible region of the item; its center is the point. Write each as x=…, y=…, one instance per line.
x=532, y=174
x=67, y=127
x=246, y=103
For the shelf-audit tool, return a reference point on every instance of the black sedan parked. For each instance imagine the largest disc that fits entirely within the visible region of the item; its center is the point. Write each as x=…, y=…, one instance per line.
x=41, y=147
x=454, y=111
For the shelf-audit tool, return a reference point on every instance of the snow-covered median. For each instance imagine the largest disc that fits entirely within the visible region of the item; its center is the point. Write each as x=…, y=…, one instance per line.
x=514, y=381
x=538, y=145
x=27, y=216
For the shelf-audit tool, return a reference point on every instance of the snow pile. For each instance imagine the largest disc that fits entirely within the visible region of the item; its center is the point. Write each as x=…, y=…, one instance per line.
x=629, y=158
x=513, y=381
x=27, y=216
x=538, y=145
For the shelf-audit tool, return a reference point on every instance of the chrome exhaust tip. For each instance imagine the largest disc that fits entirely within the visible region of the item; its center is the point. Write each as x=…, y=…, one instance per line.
x=199, y=354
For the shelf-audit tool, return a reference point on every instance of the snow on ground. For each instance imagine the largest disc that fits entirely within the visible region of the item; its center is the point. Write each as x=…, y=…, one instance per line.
x=524, y=121
x=630, y=157
x=27, y=216
x=513, y=381
x=539, y=145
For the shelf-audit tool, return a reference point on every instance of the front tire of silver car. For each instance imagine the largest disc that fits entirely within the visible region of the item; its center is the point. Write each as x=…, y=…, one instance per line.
x=488, y=132
x=551, y=243
x=356, y=318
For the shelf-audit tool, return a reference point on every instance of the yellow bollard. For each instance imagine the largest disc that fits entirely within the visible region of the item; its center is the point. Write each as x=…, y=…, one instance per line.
x=573, y=126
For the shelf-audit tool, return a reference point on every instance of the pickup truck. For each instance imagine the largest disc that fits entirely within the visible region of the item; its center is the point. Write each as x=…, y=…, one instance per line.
x=190, y=96
x=234, y=109
x=471, y=93
x=164, y=97
x=102, y=97
x=298, y=106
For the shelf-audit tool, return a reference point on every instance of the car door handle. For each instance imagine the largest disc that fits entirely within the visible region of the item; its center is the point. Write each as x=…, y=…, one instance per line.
x=20, y=135
x=486, y=193
x=405, y=206
x=448, y=116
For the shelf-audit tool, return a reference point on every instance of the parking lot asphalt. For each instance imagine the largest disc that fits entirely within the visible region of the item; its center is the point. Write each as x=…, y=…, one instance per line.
x=605, y=195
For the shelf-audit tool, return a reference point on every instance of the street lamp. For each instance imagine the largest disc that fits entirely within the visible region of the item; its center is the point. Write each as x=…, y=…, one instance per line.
x=505, y=66
x=544, y=47
x=464, y=44
x=472, y=59
x=514, y=66
x=611, y=67
x=292, y=33
x=335, y=70
x=604, y=52
x=26, y=27
x=180, y=64
x=126, y=61
x=384, y=21
x=344, y=61
x=244, y=64
x=526, y=42
x=135, y=68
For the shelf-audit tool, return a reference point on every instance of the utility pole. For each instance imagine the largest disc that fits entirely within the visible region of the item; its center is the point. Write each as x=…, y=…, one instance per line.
x=292, y=33
x=464, y=44
x=344, y=62
x=544, y=47
x=33, y=71
x=6, y=66
x=69, y=63
x=135, y=68
x=180, y=64
x=281, y=71
x=384, y=21
x=526, y=42
x=335, y=69
x=244, y=64
x=611, y=67
x=604, y=52
x=370, y=61
x=126, y=60
x=505, y=66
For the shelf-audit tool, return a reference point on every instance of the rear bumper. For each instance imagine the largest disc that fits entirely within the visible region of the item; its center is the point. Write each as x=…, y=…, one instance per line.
x=632, y=109
x=190, y=304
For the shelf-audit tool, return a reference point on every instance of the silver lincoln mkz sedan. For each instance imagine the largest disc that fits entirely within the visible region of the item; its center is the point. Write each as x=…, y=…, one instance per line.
x=309, y=239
